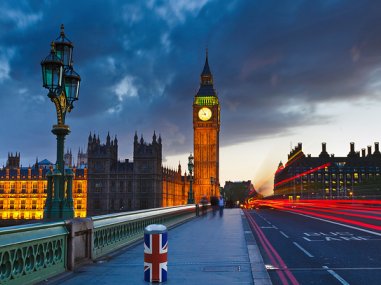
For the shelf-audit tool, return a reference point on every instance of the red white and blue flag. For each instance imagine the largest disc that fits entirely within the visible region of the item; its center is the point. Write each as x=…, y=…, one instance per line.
x=155, y=257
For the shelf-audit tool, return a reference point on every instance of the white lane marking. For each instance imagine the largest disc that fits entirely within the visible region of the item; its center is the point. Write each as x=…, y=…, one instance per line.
x=337, y=276
x=275, y=227
x=302, y=249
x=286, y=236
x=266, y=227
x=337, y=223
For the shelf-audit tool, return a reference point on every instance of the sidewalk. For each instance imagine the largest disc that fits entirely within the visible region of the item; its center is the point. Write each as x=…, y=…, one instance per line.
x=207, y=250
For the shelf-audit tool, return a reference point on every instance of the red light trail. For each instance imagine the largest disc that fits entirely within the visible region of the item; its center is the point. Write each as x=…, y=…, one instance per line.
x=303, y=174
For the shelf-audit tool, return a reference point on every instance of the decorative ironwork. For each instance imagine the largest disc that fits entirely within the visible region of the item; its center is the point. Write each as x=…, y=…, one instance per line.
x=29, y=254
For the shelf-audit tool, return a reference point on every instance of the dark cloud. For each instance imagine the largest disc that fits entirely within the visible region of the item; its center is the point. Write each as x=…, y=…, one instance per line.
x=273, y=62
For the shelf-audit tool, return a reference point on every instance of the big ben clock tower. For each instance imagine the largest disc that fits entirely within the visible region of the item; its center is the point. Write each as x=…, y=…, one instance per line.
x=206, y=126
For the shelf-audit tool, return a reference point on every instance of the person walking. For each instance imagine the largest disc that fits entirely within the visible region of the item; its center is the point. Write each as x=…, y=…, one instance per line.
x=204, y=205
x=221, y=204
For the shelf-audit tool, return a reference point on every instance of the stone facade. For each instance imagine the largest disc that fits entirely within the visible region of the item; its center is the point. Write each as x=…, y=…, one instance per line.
x=23, y=190
x=327, y=176
x=116, y=186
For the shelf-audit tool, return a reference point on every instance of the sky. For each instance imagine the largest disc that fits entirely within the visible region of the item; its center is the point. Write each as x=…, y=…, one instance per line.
x=285, y=72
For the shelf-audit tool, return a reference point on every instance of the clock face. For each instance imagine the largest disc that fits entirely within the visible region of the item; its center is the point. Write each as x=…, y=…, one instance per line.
x=205, y=114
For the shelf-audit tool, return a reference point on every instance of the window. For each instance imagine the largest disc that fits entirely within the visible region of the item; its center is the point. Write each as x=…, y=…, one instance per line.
x=129, y=188
x=1, y=188
x=98, y=187
x=13, y=189
x=121, y=186
x=1, y=204
x=79, y=205
x=79, y=187
x=34, y=188
x=45, y=187
x=11, y=204
x=23, y=188
x=34, y=204
x=22, y=205
x=112, y=204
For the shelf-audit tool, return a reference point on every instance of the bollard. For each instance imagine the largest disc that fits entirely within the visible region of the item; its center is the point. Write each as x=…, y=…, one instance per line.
x=197, y=210
x=155, y=253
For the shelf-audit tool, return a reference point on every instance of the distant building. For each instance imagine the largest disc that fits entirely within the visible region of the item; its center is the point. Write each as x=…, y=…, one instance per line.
x=238, y=192
x=81, y=159
x=23, y=190
x=115, y=186
x=327, y=176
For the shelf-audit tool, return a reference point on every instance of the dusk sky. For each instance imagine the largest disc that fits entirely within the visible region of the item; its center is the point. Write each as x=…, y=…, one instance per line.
x=285, y=72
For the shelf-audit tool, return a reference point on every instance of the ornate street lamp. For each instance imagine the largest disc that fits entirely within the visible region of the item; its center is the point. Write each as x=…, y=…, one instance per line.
x=190, y=168
x=59, y=77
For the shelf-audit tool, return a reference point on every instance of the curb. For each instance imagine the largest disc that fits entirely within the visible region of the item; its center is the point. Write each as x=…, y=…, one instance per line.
x=258, y=269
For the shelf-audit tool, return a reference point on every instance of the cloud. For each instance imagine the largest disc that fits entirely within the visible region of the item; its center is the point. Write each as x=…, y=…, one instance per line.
x=6, y=55
x=20, y=18
x=273, y=64
x=126, y=88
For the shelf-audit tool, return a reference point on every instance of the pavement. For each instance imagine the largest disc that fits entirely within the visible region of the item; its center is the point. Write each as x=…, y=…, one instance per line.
x=206, y=250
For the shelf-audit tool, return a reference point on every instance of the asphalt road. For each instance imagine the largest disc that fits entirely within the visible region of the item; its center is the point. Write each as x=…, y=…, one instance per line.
x=298, y=249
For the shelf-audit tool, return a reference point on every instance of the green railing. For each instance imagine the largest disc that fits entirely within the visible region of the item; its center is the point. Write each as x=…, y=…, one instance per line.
x=36, y=252
x=32, y=253
x=118, y=230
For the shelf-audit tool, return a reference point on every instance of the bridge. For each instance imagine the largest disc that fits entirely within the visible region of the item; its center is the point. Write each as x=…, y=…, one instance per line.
x=278, y=242
x=109, y=250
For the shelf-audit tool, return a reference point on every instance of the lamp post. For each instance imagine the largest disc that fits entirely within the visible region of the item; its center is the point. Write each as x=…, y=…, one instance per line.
x=59, y=77
x=212, y=182
x=190, y=168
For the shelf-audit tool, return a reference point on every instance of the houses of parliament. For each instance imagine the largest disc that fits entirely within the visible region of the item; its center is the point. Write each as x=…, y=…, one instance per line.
x=103, y=184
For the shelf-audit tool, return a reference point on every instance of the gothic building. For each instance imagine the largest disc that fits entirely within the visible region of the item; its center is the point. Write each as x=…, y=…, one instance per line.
x=23, y=190
x=206, y=125
x=116, y=186
x=328, y=176
x=81, y=159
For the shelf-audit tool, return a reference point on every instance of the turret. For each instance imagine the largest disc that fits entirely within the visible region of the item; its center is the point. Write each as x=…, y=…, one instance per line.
x=154, y=137
x=108, y=139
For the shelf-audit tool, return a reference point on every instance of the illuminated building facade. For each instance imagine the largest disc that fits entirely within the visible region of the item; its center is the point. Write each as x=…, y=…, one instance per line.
x=115, y=186
x=23, y=190
x=206, y=126
x=327, y=176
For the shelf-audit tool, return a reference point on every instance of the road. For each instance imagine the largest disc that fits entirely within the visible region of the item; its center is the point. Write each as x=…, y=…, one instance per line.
x=315, y=244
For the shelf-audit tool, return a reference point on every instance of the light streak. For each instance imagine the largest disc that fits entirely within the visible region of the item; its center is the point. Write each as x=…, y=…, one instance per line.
x=303, y=174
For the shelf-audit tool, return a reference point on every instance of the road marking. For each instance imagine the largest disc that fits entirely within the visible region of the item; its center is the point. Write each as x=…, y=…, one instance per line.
x=337, y=223
x=267, y=227
x=286, y=236
x=275, y=227
x=302, y=249
x=337, y=276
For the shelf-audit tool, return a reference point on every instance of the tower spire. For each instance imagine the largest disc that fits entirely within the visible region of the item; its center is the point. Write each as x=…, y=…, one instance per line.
x=206, y=75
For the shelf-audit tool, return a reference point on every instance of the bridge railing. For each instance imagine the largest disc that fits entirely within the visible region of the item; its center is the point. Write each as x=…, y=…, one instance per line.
x=118, y=230
x=31, y=253
x=35, y=252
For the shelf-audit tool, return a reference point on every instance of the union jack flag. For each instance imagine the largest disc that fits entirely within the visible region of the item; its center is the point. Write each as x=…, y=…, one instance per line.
x=155, y=257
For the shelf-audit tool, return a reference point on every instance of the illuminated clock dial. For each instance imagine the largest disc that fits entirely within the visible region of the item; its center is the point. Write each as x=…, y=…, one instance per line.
x=205, y=114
